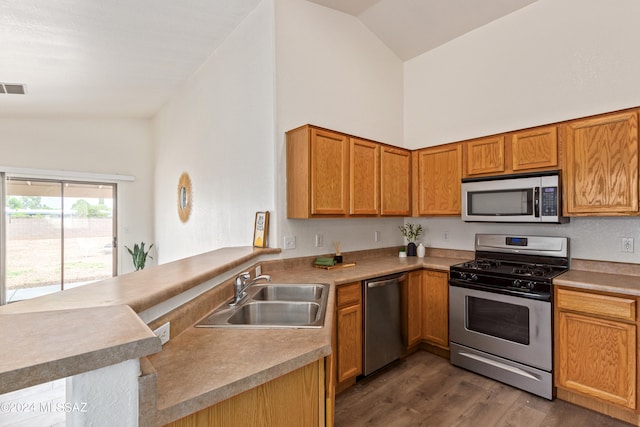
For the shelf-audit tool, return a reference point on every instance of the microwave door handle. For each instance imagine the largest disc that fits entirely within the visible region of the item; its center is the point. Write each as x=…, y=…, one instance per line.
x=536, y=202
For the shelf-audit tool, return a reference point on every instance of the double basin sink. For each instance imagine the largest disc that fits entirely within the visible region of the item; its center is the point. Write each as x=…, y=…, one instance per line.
x=275, y=306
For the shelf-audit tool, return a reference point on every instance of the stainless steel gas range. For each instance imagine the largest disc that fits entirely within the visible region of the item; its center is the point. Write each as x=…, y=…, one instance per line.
x=500, y=309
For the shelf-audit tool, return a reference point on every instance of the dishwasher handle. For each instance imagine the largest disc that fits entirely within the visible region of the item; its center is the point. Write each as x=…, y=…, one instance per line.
x=392, y=281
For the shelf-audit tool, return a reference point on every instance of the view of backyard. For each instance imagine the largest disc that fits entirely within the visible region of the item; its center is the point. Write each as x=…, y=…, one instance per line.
x=55, y=242
x=34, y=251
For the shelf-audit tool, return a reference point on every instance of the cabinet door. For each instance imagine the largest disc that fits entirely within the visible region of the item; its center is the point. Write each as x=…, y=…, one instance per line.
x=535, y=149
x=439, y=174
x=364, y=177
x=485, y=156
x=601, y=172
x=435, y=308
x=414, y=307
x=349, y=342
x=597, y=358
x=395, y=181
x=349, y=330
x=329, y=173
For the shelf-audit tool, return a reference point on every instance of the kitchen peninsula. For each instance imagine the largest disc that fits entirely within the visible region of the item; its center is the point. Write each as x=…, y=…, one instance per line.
x=199, y=368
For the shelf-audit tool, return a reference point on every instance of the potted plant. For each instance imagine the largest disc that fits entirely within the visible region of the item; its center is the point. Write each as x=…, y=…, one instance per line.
x=139, y=255
x=411, y=232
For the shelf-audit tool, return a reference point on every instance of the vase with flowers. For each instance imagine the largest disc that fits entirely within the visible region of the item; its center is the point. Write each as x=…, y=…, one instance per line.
x=411, y=232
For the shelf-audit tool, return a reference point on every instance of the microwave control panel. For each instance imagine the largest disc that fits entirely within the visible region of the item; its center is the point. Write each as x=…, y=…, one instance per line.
x=549, y=202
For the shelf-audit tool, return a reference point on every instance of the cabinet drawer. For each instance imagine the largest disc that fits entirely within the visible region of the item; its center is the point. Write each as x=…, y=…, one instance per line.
x=349, y=294
x=599, y=305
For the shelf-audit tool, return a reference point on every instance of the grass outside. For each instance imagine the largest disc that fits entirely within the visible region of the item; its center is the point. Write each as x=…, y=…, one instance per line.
x=36, y=262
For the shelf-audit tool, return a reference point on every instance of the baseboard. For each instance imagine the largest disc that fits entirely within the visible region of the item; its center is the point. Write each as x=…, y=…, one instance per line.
x=623, y=414
x=434, y=349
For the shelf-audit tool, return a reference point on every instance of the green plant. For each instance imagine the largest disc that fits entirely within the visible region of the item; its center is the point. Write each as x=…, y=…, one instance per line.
x=139, y=255
x=411, y=231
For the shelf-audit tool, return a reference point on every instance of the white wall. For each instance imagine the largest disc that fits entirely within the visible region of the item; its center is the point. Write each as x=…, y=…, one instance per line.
x=107, y=146
x=333, y=72
x=219, y=129
x=550, y=61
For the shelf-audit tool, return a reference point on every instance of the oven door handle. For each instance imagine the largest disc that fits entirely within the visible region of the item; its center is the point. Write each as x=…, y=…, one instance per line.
x=503, y=366
x=536, y=202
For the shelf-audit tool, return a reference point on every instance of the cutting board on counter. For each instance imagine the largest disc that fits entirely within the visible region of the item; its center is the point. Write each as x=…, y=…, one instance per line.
x=337, y=266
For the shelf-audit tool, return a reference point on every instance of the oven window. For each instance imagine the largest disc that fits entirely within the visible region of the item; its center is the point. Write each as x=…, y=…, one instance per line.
x=500, y=202
x=498, y=319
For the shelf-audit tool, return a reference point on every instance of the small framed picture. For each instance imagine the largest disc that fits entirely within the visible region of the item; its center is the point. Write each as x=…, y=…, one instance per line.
x=260, y=229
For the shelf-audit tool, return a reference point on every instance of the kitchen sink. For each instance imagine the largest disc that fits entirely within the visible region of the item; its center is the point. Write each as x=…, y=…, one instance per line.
x=285, y=313
x=289, y=292
x=274, y=306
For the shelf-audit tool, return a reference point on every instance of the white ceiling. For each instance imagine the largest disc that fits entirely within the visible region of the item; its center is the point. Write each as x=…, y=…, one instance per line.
x=119, y=58
x=412, y=27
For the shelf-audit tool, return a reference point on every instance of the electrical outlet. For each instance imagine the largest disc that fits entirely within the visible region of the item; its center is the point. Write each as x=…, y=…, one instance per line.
x=258, y=270
x=163, y=332
x=319, y=240
x=445, y=236
x=289, y=242
x=627, y=244
x=376, y=236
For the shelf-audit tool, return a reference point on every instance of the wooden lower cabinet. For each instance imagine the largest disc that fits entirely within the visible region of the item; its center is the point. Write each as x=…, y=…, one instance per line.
x=412, y=307
x=425, y=303
x=348, y=331
x=596, y=363
x=295, y=399
x=435, y=308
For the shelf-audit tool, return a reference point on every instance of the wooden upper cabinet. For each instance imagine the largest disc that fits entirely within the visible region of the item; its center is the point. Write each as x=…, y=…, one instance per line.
x=535, y=149
x=364, y=177
x=485, y=155
x=517, y=152
x=317, y=173
x=329, y=173
x=395, y=181
x=438, y=174
x=601, y=165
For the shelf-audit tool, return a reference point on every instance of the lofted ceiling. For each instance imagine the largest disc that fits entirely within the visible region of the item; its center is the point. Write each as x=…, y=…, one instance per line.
x=118, y=58
x=412, y=27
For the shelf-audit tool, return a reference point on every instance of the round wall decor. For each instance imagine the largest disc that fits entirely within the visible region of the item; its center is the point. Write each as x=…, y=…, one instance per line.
x=185, y=197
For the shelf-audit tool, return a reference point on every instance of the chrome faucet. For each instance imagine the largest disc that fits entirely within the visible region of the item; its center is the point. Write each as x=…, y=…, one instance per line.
x=242, y=283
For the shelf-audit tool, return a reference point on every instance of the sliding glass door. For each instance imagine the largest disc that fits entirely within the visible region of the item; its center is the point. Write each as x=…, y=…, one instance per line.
x=58, y=235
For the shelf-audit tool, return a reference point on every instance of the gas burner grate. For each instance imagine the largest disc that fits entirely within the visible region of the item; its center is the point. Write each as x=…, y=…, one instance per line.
x=482, y=264
x=532, y=270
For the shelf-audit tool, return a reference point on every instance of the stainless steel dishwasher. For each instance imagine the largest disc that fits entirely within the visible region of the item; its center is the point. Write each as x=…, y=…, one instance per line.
x=382, y=325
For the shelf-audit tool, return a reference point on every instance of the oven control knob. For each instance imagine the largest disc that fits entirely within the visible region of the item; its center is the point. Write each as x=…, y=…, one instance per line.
x=530, y=285
x=463, y=276
x=517, y=283
x=474, y=277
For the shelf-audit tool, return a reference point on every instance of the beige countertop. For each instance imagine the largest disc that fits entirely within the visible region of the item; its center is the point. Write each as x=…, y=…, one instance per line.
x=203, y=366
x=598, y=281
x=145, y=288
x=602, y=276
x=44, y=346
x=96, y=325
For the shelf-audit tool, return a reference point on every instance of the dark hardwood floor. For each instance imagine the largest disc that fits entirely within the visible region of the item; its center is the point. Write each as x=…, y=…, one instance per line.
x=425, y=390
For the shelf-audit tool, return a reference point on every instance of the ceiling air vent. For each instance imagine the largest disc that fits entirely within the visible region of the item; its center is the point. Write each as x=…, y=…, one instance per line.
x=13, y=88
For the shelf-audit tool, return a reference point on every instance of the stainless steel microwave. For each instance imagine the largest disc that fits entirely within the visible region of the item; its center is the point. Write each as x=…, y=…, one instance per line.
x=533, y=197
